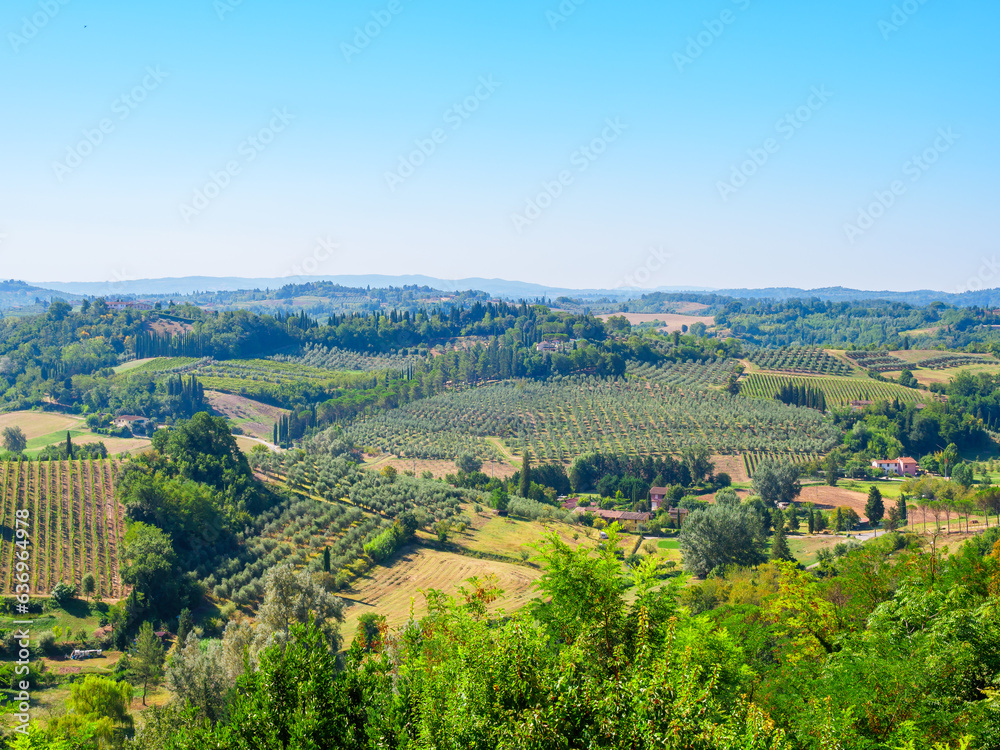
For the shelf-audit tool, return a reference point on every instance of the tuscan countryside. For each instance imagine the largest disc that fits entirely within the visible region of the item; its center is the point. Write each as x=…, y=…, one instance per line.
x=550, y=375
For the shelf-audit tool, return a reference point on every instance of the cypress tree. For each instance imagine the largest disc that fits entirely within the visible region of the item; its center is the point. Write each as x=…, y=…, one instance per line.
x=69, y=445
x=901, y=507
x=525, y=484
x=874, y=508
x=779, y=544
x=811, y=520
x=326, y=559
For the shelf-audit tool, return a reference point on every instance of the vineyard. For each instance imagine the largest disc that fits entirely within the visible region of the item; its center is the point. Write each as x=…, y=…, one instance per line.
x=685, y=374
x=564, y=418
x=954, y=360
x=334, y=358
x=752, y=460
x=799, y=359
x=75, y=524
x=838, y=391
x=877, y=361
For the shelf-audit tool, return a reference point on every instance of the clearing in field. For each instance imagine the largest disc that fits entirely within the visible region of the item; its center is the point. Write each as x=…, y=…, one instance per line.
x=253, y=417
x=390, y=590
x=671, y=321
x=39, y=423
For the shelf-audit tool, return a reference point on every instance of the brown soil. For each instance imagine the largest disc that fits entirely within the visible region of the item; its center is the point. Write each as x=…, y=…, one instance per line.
x=825, y=497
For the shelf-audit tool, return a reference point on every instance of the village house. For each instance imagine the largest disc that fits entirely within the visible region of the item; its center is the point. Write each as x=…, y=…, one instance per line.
x=119, y=304
x=131, y=421
x=904, y=467
x=656, y=497
x=547, y=346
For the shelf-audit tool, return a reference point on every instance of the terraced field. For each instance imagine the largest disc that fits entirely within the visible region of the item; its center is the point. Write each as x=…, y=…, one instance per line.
x=74, y=523
x=838, y=391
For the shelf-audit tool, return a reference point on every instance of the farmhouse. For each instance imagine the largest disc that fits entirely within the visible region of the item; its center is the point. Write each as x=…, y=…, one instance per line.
x=119, y=304
x=547, y=346
x=904, y=466
x=130, y=421
x=656, y=497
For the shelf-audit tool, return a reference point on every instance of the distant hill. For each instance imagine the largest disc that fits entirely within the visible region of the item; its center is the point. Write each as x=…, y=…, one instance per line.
x=981, y=298
x=18, y=294
x=500, y=288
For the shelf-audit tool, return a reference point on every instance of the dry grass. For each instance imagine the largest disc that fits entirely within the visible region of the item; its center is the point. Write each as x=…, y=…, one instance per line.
x=826, y=498
x=38, y=423
x=389, y=591
x=734, y=466
x=253, y=417
x=438, y=468
x=671, y=321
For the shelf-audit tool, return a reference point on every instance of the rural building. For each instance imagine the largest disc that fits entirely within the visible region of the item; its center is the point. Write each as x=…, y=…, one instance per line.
x=626, y=518
x=119, y=304
x=861, y=405
x=656, y=497
x=677, y=515
x=547, y=346
x=904, y=467
x=130, y=421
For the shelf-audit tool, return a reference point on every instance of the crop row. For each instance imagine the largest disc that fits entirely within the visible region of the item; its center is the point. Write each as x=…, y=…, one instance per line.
x=74, y=523
x=877, y=361
x=953, y=360
x=805, y=359
x=334, y=358
x=563, y=418
x=752, y=460
x=685, y=374
x=838, y=391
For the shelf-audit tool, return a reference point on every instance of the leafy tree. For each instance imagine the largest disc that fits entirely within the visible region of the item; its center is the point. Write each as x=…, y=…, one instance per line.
x=793, y=522
x=963, y=475
x=62, y=592
x=468, y=463
x=197, y=675
x=148, y=564
x=874, y=508
x=499, y=499
x=14, y=439
x=719, y=536
x=776, y=481
x=146, y=659
x=698, y=462
x=831, y=467
x=97, y=710
x=89, y=585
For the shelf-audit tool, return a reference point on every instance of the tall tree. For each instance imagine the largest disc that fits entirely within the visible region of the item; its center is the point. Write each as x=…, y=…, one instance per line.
x=779, y=544
x=874, y=508
x=146, y=660
x=69, y=445
x=525, y=483
x=776, y=481
x=184, y=625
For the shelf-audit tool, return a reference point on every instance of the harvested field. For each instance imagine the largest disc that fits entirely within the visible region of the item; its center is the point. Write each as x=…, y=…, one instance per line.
x=253, y=417
x=438, y=468
x=38, y=423
x=389, y=590
x=826, y=497
x=671, y=321
x=734, y=466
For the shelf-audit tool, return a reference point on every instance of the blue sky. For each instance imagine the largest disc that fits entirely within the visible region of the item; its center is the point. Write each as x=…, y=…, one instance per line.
x=582, y=145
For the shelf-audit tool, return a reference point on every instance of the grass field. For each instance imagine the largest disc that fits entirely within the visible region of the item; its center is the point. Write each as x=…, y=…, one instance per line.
x=74, y=523
x=253, y=417
x=36, y=424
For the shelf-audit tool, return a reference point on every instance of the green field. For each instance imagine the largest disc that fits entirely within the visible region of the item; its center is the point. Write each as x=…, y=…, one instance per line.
x=838, y=391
